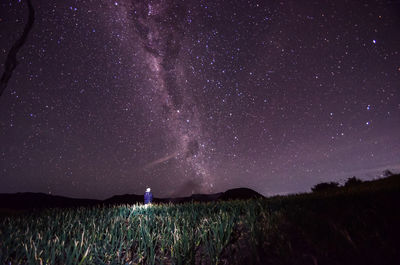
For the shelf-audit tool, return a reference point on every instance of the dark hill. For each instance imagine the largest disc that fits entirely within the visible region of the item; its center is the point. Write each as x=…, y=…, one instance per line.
x=124, y=199
x=240, y=194
x=193, y=197
x=29, y=200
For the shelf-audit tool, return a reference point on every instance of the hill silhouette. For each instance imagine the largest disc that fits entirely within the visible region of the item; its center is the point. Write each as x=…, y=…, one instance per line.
x=240, y=193
x=30, y=200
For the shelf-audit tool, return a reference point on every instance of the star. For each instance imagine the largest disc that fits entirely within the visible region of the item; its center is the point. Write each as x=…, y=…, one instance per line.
x=109, y=98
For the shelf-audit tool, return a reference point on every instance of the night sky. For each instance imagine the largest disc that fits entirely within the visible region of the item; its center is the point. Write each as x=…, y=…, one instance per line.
x=110, y=97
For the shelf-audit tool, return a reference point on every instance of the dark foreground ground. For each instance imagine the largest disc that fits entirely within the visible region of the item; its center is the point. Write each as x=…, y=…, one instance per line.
x=359, y=224
x=348, y=225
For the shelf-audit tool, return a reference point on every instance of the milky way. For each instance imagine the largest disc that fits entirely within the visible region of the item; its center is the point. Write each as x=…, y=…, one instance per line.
x=160, y=27
x=110, y=97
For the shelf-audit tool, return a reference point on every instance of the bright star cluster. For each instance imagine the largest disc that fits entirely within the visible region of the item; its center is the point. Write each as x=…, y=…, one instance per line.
x=110, y=97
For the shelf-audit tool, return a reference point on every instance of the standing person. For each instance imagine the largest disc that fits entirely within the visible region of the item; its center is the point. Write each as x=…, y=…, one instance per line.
x=148, y=196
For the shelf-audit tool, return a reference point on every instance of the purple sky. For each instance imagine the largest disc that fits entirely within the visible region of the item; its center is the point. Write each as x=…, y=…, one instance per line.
x=110, y=97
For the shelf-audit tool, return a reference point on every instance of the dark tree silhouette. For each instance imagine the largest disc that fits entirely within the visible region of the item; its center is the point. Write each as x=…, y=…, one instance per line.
x=325, y=186
x=353, y=181
x=387, y=173
x=11, y=60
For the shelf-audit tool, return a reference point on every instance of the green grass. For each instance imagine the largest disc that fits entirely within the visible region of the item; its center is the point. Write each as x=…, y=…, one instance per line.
x=355, y=225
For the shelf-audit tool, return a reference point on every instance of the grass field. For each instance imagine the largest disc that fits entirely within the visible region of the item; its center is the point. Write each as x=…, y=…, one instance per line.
x=354, y=225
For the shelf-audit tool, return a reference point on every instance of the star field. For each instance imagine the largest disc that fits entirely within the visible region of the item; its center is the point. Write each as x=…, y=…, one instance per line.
x=110, y=97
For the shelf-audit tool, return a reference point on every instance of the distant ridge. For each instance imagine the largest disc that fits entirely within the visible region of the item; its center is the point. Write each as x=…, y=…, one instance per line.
x=30, y=200
x=124, y=199
x=240, y=193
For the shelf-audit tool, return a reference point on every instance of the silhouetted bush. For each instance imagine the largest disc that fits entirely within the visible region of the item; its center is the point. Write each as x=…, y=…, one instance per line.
x=325, y=186
x=387, y=173
x=353, y=181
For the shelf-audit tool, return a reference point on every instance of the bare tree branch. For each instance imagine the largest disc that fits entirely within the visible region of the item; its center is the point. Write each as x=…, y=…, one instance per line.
x=11, y=60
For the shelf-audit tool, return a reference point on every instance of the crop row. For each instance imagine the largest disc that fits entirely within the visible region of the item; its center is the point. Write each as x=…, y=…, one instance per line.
x=191, y=233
